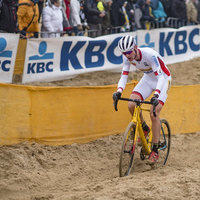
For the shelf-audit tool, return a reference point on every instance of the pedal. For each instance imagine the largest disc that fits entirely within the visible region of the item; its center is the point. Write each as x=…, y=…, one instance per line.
x=142, y=156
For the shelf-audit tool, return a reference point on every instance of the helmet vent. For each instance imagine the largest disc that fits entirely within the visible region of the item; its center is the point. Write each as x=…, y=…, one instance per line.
x=126, y=43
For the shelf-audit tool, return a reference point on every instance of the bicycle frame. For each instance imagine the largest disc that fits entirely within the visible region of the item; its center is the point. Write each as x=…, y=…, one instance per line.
x=136, y=119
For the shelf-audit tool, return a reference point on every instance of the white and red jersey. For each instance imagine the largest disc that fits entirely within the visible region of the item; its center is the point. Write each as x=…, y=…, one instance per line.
x=156, y=73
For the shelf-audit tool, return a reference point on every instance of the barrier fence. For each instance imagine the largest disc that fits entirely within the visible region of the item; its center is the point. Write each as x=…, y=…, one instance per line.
x=66, y=115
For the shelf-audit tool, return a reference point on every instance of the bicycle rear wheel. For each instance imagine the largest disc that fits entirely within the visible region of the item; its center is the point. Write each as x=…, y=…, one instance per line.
x=127, y=150
x=165, y=142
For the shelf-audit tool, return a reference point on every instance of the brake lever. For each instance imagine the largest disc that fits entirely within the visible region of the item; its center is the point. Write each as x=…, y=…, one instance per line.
x=115, y=104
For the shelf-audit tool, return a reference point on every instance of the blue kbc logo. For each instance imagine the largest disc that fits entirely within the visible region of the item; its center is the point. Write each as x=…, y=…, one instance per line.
x=4, y=54
x=67, y=55
x=40, y=67
x=180, y=42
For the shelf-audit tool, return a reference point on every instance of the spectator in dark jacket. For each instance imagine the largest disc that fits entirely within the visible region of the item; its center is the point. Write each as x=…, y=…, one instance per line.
x=130, y=12
x=94, y=17
x=122, y=19
x=106, y=23
x=198, y=11
x=115, y=14
x=8, y=16
x=82, y=15
x=147, y=17
x=126, y=25
x=139, y=6
x=40, y=7
x=179, y=11
x=167, y=6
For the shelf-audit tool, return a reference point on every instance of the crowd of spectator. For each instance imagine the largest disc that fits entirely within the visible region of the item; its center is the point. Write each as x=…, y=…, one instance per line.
x=53, y=18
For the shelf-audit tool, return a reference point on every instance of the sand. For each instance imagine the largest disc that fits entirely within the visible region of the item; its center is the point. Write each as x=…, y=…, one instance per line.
x=91, y=171
x=184, y=73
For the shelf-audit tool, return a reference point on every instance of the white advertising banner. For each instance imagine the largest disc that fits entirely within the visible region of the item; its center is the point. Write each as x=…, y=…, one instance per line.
x=8, y=51
x=174, y=45
x=51, y=59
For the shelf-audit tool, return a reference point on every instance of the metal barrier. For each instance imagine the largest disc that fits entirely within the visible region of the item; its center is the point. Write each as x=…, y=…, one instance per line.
x=175, y=22
x=109, y=31
x=158, y=24
x=171, y=22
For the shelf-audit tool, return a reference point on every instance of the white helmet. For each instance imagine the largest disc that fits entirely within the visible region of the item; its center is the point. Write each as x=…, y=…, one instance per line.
x=126, y=43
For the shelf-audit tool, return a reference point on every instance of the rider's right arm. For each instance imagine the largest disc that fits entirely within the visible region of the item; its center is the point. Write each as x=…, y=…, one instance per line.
x=124, y=76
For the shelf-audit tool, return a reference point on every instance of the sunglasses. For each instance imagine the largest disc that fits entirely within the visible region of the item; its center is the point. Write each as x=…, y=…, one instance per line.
x=128, y=52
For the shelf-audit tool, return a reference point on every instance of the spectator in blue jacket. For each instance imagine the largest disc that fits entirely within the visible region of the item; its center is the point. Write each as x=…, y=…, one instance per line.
x=159, y=15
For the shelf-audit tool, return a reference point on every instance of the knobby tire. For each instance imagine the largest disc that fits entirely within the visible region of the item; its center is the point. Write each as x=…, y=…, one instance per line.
x=165, y=141
x=127, y=150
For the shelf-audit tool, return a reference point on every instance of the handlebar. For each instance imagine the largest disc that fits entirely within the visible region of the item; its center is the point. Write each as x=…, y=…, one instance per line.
x=138, y=102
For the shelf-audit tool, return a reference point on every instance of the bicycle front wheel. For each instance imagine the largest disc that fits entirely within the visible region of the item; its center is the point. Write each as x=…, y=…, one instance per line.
x=165, y=142
x=127, y=150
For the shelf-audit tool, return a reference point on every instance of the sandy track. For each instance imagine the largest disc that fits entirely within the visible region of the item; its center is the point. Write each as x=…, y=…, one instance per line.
x=90, y=171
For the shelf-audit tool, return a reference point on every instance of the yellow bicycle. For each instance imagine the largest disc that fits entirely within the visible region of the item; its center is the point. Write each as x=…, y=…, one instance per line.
x=129, y=143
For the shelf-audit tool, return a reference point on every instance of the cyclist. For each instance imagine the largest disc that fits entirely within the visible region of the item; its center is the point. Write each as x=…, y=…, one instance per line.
x=156, y=78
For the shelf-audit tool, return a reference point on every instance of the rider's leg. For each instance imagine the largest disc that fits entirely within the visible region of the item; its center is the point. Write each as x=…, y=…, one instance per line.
x=131, y=105
x=156, y=123
x=153, y=157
